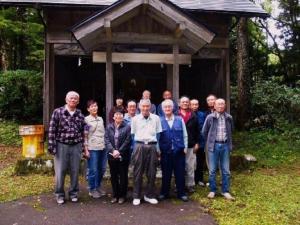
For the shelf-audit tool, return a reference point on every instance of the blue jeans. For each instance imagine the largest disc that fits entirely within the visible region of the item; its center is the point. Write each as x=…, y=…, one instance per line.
x=220, y=155
x=96, y=168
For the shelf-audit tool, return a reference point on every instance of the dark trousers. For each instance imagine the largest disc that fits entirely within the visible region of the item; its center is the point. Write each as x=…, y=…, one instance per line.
x=119, y=177
x=173, y=162
x=200, y=156
x=144, y=160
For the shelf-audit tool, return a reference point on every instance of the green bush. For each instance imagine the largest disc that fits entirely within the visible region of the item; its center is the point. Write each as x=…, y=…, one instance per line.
x=21, y=95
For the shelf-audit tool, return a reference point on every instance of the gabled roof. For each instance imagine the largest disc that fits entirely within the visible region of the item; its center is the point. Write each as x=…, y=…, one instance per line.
x=235, y=7
x=89, y=31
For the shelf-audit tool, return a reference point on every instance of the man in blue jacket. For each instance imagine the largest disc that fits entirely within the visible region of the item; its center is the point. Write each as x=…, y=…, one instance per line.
x=217, y=131
x=173, y=142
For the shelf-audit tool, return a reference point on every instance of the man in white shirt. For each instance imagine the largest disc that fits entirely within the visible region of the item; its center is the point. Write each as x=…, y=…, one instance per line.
x=145, y=128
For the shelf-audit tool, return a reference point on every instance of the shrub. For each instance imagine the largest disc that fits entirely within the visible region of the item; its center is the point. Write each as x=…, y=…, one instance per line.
x=21, y=95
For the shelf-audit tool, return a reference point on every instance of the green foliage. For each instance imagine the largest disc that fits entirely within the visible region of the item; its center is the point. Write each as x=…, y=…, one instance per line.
x=22, y=39
x=9, y=133
x=21, y=95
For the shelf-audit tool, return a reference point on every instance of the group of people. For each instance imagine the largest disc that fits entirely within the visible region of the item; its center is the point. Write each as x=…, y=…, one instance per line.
x=178, y=136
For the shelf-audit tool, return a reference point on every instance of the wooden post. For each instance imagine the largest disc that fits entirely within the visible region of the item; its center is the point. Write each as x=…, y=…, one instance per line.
x=48, y=87
x=175, y=80
x=170, y=77
x=109, y=81
x=227, y=71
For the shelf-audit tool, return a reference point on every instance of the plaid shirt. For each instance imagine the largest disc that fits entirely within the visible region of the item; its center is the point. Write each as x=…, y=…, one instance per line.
x=65, y=128
x=221, y=128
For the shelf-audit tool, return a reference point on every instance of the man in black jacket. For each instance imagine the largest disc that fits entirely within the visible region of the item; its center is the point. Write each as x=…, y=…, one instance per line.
x=192, y=126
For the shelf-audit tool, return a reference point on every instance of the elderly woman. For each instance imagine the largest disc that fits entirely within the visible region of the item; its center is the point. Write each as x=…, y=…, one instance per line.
x=94, y=149
x=117, y=142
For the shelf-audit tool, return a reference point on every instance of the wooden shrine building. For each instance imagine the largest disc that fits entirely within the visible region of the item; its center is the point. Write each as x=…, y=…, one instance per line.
x=105, y=48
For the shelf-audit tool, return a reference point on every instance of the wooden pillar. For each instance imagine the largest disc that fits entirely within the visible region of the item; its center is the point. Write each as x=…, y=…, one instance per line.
x=170, y=77
x=109, y=81
x=48, y=84
x=227, y=71
x=175, y=80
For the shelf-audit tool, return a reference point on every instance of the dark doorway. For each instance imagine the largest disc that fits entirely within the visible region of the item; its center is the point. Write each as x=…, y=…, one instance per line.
x=131, y=79
x=202, y=78
x=85, y=77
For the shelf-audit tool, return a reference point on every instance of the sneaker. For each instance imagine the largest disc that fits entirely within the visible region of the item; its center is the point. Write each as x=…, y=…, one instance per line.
x=121, y=200
x=74, y=199
x=113, y=200
x=161, y=197
x=60, y=201
x=184, y=198
x=228, y=196
x=94, y=194
x=150, y=200
x=211, y=195
x=101, y=191
x=201, y=184
x=136, y=201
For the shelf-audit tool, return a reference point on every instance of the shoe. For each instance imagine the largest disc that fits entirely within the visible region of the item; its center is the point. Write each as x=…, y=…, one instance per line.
x=184, y=198
x=228, y=196
x=211, y=195
x=121, y=200
x=162, y=197
x=136, y=201
x=113, y=200
x=94, y=194
x=74, y=199
x=150, y=200
x=201, y=184
x=101, y=191
x=190, y=189
x=60, y=200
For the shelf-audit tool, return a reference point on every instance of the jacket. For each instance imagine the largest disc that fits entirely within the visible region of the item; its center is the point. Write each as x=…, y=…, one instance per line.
x=124, y=140
x=209, y=130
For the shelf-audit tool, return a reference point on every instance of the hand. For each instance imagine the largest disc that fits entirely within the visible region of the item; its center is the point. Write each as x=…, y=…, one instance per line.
x=86, y=153
x=116, y=154
x=185, y=150
x=196, y=147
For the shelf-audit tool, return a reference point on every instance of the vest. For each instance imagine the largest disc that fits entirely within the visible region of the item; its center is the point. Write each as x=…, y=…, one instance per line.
x=171, y=139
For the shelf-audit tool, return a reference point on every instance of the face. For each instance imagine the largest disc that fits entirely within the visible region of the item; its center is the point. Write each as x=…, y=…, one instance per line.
x=131, y=108
x=220, y=105
x=168, y=110
x=194, y=105
x=167, y=95
x=93, y=109
x=145, y=109
x=118, y=118
x=146, y=95
x=184, y=103
x=119, y=102
x=72, y=101
x=211, y=101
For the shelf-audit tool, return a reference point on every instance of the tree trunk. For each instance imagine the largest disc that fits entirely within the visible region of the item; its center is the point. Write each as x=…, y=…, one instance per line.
x=243, y=75
x=3, y=55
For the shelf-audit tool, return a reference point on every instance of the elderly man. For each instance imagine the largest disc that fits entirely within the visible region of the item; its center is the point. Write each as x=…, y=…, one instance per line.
x=191, y=122
x=131, y=111
x=172, y=142
x=147, y=95
x=145, y=128
x=66, y=136
x=210, y=100
x=200, y=155
x=217, y=131
x=167, y=95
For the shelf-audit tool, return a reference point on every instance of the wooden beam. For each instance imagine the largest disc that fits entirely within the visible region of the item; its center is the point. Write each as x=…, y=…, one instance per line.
x=179, y=30
x=107, y=26
x=175, y=80
x=170, y=77
x=227, y=71
x=101, y=57
x=109, y=81
x=68, y=49
x=60, y=37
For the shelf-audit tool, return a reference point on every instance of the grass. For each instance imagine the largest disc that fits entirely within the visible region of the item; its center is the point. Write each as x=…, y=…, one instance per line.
x=268, y=195
x=9, y=134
